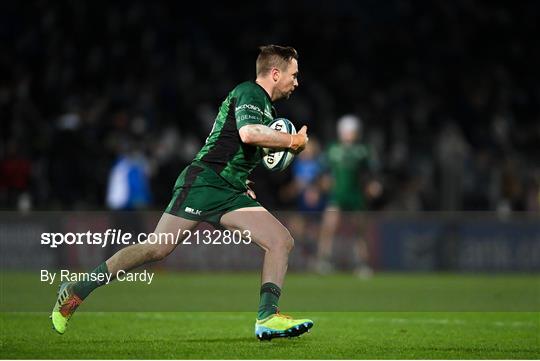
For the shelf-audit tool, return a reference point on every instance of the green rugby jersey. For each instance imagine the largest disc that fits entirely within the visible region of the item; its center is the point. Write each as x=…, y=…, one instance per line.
x=345, y=163
x=224, y=151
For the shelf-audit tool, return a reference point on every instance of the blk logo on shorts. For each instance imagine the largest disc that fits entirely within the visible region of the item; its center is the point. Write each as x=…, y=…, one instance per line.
x=193, y=211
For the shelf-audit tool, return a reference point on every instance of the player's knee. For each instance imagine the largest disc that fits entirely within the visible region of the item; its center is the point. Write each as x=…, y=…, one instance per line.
x=289, y=243
x=284, y=241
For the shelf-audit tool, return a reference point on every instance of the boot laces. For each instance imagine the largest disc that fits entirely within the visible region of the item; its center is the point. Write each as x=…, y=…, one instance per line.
x=279, y=314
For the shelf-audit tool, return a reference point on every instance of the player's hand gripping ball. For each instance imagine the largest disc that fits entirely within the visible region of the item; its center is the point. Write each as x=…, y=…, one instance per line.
x=279, y=159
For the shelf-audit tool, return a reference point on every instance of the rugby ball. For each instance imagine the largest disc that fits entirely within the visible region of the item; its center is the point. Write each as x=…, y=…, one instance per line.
x=279, y=159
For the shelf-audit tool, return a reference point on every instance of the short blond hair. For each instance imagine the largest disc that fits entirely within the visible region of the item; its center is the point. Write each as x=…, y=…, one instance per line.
x=274, y=56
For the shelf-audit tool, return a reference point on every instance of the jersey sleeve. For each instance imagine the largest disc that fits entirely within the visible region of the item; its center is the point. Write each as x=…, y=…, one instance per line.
x=248, y=109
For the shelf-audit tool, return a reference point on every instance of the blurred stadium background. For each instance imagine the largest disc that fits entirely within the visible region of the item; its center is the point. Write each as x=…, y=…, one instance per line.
x=447, y=92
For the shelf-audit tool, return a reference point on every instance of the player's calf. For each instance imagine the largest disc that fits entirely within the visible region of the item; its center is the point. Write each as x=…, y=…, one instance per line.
x=157, y=252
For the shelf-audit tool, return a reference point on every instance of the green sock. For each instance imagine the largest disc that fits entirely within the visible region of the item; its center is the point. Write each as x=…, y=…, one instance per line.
x=83, y=288
x=269, y=300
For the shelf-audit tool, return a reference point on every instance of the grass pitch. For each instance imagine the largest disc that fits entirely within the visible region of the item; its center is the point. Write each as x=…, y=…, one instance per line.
x=497, y=318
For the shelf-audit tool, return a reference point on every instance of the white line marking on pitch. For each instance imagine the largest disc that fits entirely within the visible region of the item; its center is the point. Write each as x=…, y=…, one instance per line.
x=445, y=321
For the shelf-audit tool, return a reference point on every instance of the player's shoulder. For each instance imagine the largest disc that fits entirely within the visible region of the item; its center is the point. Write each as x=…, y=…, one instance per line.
x=333, y=150
x=360, y=151
x=248, y=88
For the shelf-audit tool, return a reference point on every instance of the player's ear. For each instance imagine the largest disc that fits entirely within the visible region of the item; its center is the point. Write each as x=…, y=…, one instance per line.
x=275, y=74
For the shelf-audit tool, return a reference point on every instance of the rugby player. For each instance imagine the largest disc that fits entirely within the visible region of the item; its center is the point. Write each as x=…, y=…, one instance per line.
x=213, y=188
x=346, y=160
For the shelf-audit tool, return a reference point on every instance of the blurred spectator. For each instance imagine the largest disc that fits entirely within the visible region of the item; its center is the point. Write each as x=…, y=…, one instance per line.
x=128, y=186
x=533, y=194
x=15, y=178
x=511, y=188
x=308, y=192
x=307, y=170
x=451, y=150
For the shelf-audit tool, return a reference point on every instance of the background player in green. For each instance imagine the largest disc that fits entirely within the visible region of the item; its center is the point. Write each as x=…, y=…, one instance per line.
x=214, y=188
x=345, y=161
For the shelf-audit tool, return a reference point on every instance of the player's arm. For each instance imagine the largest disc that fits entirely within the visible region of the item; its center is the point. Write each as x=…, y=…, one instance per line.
x=249, y=122
x=263, y=136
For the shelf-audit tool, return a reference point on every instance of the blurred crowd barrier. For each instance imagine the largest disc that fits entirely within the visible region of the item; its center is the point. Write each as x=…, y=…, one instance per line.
x=475, y=242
